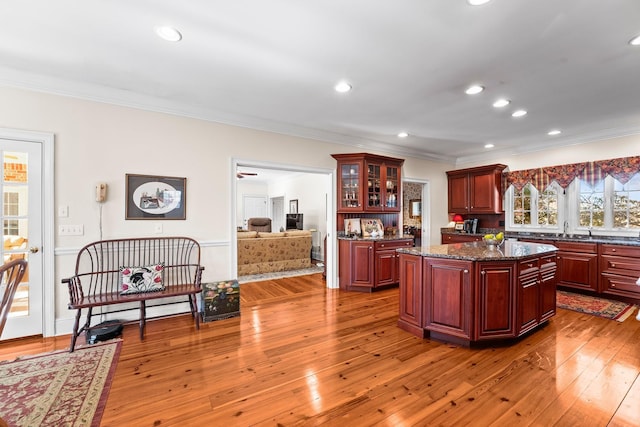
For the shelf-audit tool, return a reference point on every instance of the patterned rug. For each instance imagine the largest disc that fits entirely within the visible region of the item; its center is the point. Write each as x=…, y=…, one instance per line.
x=315, y=268
x=58, y=388
x=609, y=309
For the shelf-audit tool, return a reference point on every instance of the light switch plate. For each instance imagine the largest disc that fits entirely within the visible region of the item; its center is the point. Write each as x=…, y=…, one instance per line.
x=71, y=230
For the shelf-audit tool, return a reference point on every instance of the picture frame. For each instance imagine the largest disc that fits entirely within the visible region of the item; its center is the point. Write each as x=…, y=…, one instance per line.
x=155, y=197
x=352, y=227
x=415, y=208
x=293, y=206
x=371, y=227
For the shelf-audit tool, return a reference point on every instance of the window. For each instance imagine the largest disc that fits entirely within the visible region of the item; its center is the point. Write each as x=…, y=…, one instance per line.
x=11, y=206
x=533, y=209
x=606, y=206
x=610, y=205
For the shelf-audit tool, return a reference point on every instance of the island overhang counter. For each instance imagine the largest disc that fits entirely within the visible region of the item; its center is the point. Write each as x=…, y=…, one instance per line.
x=469, y=293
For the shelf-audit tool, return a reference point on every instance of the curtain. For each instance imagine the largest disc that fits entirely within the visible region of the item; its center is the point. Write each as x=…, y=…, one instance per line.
x=622, y=169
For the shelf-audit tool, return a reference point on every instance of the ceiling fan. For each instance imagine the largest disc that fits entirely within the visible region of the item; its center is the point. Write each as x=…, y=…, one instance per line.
x=243, y=174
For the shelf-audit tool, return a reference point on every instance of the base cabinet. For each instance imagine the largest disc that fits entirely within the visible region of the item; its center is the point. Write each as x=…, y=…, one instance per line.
x=619, y=270
x=410, y=316
x=496, y=300
x=469, y=301
x=448, y=298
x=368, y=264
x=578, y=265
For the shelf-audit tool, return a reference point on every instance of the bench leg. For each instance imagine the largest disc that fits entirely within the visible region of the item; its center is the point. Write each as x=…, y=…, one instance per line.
x=143, y=318
x=74, y=334
x=76, y=323
x=193, y=301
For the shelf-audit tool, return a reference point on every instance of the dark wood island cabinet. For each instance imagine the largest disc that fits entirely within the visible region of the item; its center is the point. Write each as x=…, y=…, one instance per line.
x=470, y=292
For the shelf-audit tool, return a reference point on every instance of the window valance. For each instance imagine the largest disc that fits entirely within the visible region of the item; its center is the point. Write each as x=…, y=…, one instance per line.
x=622, y=169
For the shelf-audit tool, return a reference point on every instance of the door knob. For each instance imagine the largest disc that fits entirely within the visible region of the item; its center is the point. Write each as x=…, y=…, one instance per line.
x=34, y=249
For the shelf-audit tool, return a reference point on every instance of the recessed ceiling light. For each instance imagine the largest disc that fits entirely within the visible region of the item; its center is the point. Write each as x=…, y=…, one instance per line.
x=554, y=132
x=474, y=90
x=489, y=145
x=403, y=135
x=501, y=103
x=168, y=33
x=635, y=41
x=342, y=87
x=477, y=2
x=519, y=113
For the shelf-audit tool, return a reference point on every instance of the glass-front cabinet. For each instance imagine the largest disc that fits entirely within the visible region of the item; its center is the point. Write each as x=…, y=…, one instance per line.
x=349, y=186
x=368, y=183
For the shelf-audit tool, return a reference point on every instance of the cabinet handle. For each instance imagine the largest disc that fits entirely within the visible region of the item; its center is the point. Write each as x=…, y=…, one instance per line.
x=382, y=245
x=467, y=271
x=613, y=250
x=613, y=285
x=530, y=265
x=613, y=265
x=483, y=272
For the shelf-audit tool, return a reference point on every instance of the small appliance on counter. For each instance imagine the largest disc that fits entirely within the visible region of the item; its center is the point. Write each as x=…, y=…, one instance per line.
x=470, y=225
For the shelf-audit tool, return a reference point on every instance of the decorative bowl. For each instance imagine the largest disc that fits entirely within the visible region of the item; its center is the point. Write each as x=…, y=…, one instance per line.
x=493, y=242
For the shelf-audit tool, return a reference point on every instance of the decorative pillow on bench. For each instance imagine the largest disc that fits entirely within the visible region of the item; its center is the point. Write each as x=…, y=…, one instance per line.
x=136, y=280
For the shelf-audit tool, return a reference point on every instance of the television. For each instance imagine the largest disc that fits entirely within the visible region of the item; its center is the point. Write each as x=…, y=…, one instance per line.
x=294, y=221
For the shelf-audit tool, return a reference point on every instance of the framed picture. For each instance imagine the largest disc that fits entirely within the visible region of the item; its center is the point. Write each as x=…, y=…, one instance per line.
x=293, y=206
x=371, y=227
x=155, y=197
x=415, y=208
x=352, y=227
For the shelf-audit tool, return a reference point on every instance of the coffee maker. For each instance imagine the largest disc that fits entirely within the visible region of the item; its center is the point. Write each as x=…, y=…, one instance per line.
x=470, y=225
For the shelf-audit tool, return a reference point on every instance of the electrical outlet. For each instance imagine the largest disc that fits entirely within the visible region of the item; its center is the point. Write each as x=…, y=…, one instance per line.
x=71, y=230
x=63, y=211
x=157, y=229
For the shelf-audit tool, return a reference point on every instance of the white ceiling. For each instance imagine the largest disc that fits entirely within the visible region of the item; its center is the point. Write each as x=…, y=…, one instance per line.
x=272, y=65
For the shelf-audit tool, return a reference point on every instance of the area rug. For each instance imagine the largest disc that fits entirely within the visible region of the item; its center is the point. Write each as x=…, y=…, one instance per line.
x=318, y=268
x=601, y=307
x=58, y=388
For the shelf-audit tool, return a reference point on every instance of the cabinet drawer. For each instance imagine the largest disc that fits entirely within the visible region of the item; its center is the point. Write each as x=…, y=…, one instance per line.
x=620, y=250
x=527, y=267
x=590, y=248
x=393, y=244
x=620, y=265
x=620, y=285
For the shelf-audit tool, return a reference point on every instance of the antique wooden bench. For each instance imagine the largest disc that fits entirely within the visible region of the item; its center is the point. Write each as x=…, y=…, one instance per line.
x=134, y=271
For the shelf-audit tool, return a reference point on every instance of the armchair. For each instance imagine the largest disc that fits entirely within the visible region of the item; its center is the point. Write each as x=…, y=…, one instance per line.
x=259, y=224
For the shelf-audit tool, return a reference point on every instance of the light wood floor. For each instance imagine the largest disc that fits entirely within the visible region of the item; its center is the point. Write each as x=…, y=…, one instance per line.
x=304, y=355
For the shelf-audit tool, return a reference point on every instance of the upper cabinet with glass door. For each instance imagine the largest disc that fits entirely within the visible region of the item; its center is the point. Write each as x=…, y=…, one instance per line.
x=368, y=183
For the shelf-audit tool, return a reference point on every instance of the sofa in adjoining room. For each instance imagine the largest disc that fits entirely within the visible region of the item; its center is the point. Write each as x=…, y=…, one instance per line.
x=265, y=252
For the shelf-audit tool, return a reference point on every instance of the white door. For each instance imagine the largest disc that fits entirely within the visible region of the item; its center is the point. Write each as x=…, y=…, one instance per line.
x=277, y=213
x=253, y=207
x=22, y=232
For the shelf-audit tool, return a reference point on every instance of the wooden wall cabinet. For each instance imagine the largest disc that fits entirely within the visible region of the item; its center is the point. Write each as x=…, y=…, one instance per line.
x=368, y=264
x=368, y=183
x=476, y=190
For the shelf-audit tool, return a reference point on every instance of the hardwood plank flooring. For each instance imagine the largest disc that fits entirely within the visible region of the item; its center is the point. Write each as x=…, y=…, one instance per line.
x=301, y=354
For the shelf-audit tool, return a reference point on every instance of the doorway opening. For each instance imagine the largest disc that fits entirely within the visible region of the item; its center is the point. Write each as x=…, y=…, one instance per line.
x=309, y=191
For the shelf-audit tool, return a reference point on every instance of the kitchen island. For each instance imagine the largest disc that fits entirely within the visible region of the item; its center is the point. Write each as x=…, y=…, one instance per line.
x=468, y=293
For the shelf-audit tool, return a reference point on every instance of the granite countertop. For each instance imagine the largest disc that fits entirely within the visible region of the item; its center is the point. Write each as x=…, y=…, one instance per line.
x=480, y=251
x=379, y=238
x=616, y=240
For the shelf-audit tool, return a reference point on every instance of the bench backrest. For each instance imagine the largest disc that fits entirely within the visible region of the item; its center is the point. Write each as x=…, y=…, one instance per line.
x=98, y=263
